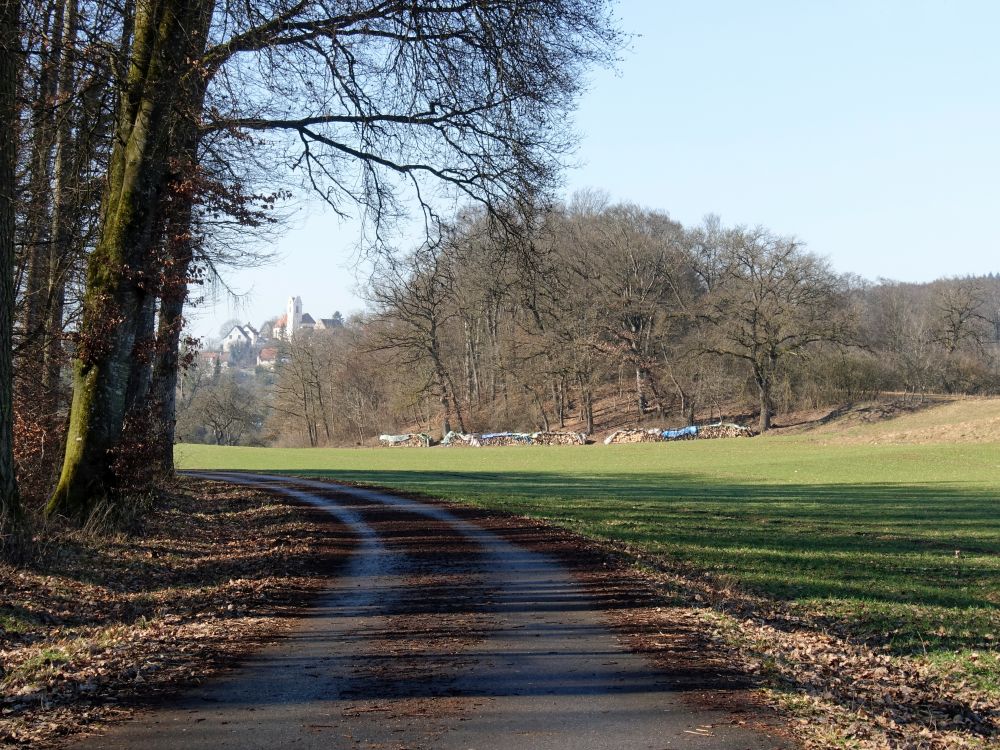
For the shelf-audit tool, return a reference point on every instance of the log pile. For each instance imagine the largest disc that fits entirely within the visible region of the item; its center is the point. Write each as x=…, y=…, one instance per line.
x=720, y=430
x=619, y=437
x=411, y=440
x=681, y=433
x=505, y=438
x=559, y=438
x=460, y=439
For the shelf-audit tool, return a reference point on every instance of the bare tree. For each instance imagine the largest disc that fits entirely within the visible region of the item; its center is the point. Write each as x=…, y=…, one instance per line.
x=415, y=301
x=10, y=505
x=230, y=410
x=771, y=302
x=469, y=97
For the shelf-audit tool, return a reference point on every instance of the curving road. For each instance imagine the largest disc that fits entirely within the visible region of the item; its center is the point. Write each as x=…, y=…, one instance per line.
x=439, y=634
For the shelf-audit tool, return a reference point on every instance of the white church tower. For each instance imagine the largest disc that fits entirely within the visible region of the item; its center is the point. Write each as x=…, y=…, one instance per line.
x=294, y=319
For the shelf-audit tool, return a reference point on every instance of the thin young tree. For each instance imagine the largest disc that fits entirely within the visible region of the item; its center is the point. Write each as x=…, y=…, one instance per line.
x=10, y=505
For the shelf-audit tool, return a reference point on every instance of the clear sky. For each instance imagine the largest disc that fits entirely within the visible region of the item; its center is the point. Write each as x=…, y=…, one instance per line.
x=869, y=129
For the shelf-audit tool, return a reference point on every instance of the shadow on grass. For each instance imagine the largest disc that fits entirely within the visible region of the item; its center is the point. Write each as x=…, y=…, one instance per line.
x=915, y=566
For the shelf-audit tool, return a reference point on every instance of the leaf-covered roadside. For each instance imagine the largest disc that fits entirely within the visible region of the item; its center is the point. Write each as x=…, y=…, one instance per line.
x=767, y=664
x=95, y=625
x=841, y=692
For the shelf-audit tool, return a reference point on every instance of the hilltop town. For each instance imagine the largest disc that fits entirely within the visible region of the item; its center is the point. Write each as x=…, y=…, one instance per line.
x=246, y=346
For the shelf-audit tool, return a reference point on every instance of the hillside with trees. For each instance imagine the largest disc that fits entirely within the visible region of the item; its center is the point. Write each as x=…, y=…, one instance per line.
x=597, y=315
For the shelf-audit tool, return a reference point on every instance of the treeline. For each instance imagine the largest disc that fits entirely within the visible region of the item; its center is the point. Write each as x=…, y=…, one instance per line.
x=145, y=143
x=619, y=305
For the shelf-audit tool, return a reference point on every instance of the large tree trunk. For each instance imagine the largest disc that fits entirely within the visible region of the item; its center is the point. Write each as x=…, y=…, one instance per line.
x=764, y=371
x=141, y=375
x=765, y=409
x=179, y=242
x=10, y=505
x=118, y=271
x=764, y=390
x=163, y=391
x=446, y=404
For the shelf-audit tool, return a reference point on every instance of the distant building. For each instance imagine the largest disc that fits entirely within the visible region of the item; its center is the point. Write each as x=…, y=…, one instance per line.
x=245, y=334
x=328, y=324
x=295, y=321
x=212, y=359
x=268, y=357
x=292, y=321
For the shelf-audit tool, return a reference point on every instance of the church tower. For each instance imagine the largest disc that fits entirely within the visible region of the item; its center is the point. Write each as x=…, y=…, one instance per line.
x=294, y=313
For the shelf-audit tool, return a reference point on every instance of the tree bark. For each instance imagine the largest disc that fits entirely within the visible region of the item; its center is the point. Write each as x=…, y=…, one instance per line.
x=118, y=270
x=10, y=504
x=166, y=360
x=179, y=241
x=640, y=395
x=764, y=390
x=66, y=206
x=586, y=405
x=765, y=409
x=141, y=375
x=39, y=193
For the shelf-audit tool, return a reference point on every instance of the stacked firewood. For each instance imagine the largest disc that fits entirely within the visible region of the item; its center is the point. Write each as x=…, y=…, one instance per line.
x=460, y=439
x=720, y=430
x=680, y=433
x=412, y=440
x=505, y=438
x=633, y=436
x=559, y=438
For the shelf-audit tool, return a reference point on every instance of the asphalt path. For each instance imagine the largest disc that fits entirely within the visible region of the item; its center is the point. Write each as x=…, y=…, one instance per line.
x=438, y=634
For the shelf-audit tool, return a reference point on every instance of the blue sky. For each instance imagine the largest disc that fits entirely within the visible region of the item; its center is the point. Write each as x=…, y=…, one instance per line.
x=869, y=130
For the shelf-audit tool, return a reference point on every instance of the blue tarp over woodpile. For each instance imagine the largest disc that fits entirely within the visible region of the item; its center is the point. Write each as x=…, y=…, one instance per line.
x=681, y=434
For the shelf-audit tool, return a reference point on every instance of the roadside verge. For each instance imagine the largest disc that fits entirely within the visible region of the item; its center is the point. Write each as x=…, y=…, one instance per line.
x=94, y=627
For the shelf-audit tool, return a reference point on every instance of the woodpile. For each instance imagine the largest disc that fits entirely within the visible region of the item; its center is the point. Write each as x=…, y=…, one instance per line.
x=412, y=440
x=505, y=438
x=559, y=438
x=657, y=435
x=460, y=440
x=681, y=433
x=720, y=430
x=619, y=437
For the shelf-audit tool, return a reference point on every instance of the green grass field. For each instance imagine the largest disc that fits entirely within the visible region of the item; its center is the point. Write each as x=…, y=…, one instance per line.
x=864, y=535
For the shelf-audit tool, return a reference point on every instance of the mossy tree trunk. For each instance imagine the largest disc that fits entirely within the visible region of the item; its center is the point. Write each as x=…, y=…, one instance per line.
x=179, y=245
x=121, y=269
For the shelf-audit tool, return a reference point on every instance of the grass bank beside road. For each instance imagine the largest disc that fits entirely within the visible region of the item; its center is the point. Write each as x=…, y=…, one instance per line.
x=900, y=544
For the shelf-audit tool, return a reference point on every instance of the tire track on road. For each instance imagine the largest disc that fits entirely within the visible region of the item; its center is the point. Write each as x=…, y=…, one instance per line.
x=439, y=634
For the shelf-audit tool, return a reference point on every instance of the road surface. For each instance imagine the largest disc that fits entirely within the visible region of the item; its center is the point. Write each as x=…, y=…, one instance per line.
x=439, y=634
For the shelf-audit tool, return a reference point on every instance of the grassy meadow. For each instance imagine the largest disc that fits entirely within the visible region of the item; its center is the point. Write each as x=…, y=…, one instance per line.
x=897, y=542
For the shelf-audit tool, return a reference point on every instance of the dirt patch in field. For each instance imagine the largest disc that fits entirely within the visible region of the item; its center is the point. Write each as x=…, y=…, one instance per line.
x=908, y=420
x=93, y=627
x=848, y=415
